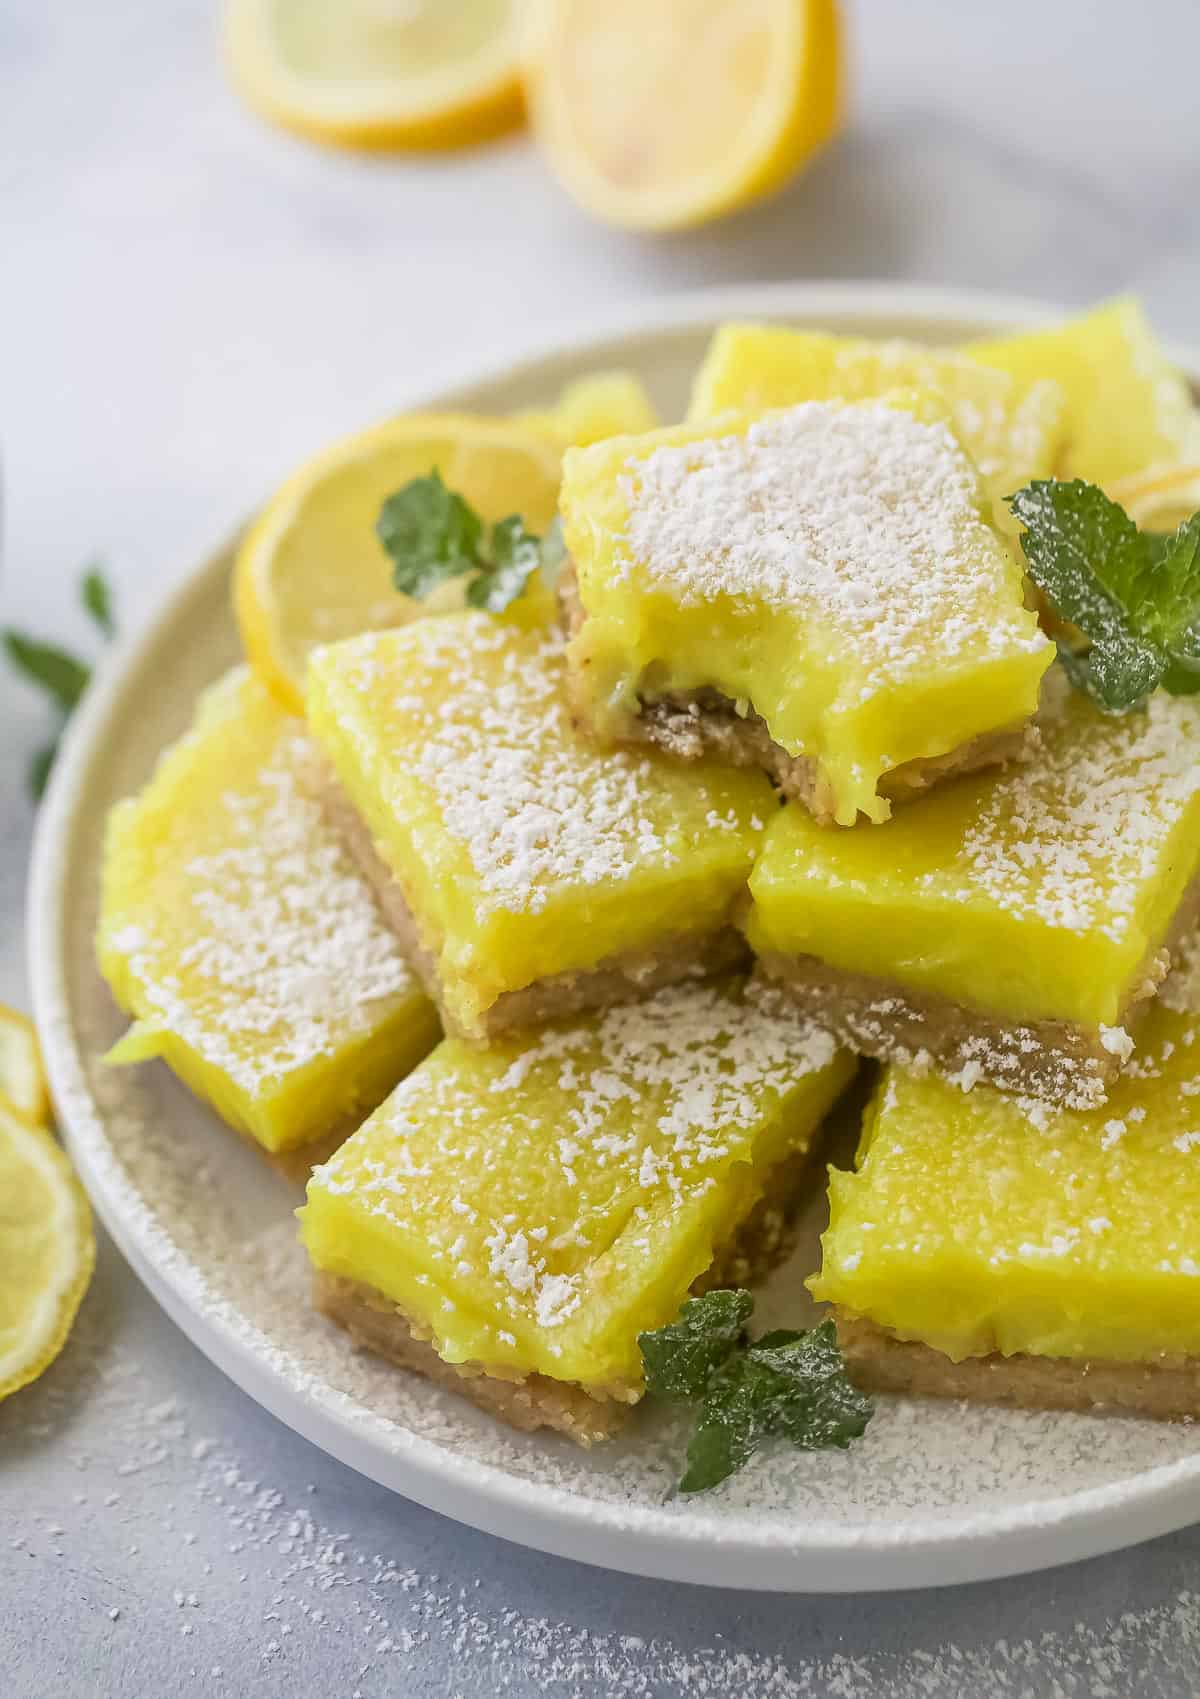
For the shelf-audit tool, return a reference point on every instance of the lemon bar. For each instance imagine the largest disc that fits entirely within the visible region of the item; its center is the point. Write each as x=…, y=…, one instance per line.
x=1127, y=408
x=815, y=591
x=1011, y=423
x=243, y=941
x=529, y=873
x=988, y=1247
x=1013, y=927
x=603, y=404
x=511, y=1218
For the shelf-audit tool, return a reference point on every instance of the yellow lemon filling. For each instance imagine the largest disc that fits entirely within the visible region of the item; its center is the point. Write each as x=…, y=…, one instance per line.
x=828, y=566
x=1127, y=408
x=236, y=932
x=1036, y=893
x=1011, y=424
x=537, y=1204
x=977, y=1222
x=521, y=850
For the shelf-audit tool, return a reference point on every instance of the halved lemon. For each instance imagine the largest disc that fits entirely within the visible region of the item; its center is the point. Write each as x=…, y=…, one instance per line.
x=47, y=1250
x=22, y=1081
x=662, y=116
x=311, y=569
x=379, y=73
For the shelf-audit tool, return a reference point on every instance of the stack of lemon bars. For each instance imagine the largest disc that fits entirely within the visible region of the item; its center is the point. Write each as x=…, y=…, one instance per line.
x=554, y=937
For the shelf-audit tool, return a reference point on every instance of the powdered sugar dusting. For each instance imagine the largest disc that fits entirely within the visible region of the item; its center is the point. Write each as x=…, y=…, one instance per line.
x=533, y=804
x=264, y=1588
x=517, y=1171
x=863, y=517
x=1075, y=837
x=288, y=958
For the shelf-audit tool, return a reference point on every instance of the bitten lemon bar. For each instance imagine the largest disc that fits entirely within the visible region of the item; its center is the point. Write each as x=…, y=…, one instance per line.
x=989, y=1247
x=511, y=1218
x=1011, y=423
x=1011, y=928
x=815, y=592
x=529, y=873
x=1127, y=408
x=240, y=936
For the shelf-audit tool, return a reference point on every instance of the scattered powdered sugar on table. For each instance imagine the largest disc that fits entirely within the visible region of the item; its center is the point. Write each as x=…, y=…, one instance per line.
x=220, y=1532
x=863, y=516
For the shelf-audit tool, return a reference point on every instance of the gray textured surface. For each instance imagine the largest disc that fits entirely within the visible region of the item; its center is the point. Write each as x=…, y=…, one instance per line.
x=190, y=303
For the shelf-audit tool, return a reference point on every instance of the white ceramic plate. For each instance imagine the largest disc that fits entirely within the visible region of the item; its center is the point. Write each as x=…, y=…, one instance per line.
x=933, y=1494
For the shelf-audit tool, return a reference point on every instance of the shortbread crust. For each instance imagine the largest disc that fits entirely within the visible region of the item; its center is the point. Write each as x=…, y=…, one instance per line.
x=1164, y=1387
x=617, y=979
x=696, y=725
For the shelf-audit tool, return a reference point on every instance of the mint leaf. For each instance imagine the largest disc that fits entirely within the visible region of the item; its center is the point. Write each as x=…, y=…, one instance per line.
x=787, y=1385
x=1134, y=595
x=433, y=535
x=37, y=774
x=1173, y=610
x=809, y=1397
x=63, y=678
x=61, y=675
x=96, y=597
x=730, y=1427
x=430, y=533
x=679, y=1359
x=790, y=1386
x=516, y=555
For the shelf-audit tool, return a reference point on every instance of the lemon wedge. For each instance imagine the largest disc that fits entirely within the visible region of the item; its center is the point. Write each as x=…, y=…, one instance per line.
x=379, y=73
x=311, y=569
x=22, y=1082
x=47, y=1250
x=658, y=117
x=1160, y=498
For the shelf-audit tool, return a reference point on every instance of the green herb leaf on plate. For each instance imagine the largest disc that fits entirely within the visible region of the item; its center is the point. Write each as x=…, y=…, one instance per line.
x=516, y=555
x=430, y=533
x=679, y=1359
x=433, y=535
x=1134, y=595
x=787, y=1385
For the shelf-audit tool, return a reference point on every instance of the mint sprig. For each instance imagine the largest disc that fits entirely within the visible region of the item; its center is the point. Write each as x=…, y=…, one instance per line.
x=785, y=1385
x=60, y=675
x=433, y=535
x=1134, y=595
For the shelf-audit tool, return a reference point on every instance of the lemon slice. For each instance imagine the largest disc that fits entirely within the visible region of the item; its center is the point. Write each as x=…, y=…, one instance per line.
x=379, y=73
x=47, y=1250
x=657, y=117
x=1161, y=498
x=22, y=1082
x=311, y=569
